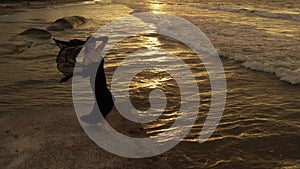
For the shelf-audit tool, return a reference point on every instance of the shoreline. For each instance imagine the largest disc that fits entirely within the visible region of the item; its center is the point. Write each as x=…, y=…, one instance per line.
x=260, y=108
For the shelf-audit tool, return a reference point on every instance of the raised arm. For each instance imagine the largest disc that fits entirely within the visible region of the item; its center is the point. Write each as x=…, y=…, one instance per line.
x=100, y=47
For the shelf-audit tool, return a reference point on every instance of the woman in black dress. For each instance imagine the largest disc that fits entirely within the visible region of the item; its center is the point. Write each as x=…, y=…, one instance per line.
x=94, y=67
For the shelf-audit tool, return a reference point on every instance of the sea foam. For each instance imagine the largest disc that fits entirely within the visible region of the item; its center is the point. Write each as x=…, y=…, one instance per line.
x=287, y=69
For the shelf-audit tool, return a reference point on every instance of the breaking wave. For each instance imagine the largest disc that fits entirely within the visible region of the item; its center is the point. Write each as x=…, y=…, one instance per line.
x=286, y=69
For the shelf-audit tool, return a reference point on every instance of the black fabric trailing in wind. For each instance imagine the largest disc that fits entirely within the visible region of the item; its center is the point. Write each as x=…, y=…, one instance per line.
x=66, y=58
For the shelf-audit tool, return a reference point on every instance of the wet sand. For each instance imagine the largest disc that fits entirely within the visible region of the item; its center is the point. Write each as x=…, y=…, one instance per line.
x=51, y=136
x=10, y=8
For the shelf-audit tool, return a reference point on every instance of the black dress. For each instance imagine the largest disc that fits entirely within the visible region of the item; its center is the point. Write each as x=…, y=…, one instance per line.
x=104, y=99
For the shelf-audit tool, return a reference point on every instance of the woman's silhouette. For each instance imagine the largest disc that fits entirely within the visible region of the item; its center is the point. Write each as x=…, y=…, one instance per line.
x=94, y=67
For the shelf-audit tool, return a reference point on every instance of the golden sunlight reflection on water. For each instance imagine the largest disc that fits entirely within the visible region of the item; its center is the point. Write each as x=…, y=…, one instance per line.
x=156, y=7
x=151, y=42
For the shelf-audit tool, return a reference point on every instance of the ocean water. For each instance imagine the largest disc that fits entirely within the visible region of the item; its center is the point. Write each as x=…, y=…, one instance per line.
x=258, y=43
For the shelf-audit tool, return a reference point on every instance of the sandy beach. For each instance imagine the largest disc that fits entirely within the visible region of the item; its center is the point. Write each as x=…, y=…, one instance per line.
x=51, y=137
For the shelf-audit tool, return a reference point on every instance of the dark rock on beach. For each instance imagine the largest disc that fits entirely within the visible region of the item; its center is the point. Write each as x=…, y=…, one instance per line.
x=67, y=23
x=36, y=33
